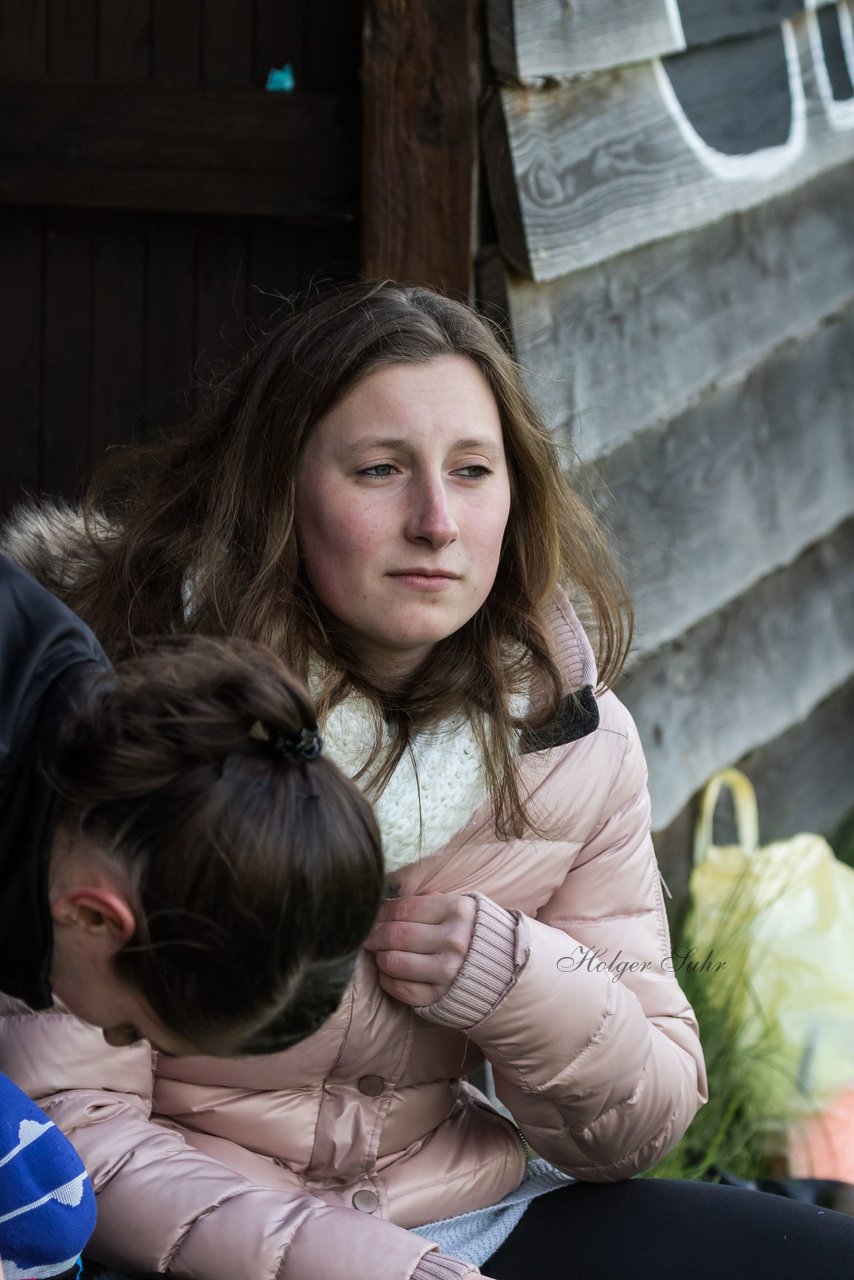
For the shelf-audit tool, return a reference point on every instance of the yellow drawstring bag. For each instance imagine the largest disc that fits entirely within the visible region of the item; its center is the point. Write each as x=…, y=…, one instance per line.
x=780, y=917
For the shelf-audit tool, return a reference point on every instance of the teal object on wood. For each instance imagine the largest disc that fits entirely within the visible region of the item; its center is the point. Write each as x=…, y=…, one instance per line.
x=281, y=79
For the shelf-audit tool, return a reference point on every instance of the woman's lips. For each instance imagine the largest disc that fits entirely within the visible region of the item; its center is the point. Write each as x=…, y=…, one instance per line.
x=425, y=579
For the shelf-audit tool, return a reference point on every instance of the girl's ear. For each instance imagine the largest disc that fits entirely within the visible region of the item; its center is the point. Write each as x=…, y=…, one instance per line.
x=101, y=914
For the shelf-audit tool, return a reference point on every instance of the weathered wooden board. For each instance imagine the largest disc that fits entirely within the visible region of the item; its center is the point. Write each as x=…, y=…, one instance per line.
x=627, y=344
x=584, y=171
x=736, y=486
x=532, y=39
x=177, y=147
x=746, y=675
x=805, y=779
x=536, y=39
x=803, y=782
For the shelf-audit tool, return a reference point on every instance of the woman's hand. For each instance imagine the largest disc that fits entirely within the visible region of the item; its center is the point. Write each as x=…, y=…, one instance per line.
x=420, y=943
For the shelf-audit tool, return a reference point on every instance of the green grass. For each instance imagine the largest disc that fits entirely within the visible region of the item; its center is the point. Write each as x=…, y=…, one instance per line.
x=750, y=1083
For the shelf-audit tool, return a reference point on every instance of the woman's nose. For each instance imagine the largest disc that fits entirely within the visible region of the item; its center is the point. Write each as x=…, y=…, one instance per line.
x=430, y=518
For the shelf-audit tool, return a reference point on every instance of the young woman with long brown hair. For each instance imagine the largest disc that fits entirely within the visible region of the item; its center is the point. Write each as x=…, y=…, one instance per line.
x=373, y=494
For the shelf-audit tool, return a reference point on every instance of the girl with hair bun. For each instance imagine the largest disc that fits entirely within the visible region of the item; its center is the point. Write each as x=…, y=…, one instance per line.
x=373, y=494
x=179, y=865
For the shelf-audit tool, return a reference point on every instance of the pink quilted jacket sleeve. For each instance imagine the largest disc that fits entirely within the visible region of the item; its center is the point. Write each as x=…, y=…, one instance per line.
x=165, y=1206
x=594, y=1048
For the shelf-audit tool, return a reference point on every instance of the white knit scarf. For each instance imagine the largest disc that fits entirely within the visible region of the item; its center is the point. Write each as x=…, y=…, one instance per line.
x=435, y=788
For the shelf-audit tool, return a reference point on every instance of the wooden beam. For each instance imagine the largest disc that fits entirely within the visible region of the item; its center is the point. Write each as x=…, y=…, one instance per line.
x=590, y=169
x=628, y=344
x=736, y=486
x=745, y=676
x=419, y=141
x=194, y=149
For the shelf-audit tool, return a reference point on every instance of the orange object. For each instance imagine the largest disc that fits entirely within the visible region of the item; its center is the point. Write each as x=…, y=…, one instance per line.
x=822, y=1145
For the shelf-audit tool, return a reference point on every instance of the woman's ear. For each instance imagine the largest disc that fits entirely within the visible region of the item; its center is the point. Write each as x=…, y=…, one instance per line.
x=99, y=913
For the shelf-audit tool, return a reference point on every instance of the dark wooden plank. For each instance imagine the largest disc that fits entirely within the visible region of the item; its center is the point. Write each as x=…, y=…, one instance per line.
x=601, y=166
x=333, y=65
x=533, y=39
x=273, y=267
x=221, y=302
x=176, y=40
x=746, y=675
x=20, y=352
x=284, y=260
x=72, y=40
x=170, y=319
x=419, y=141
x=23, y=39
x=124, y=40
x=736, y=486
x=280, y=36
x=118, y=360
x=168, y=147
x=203, y=191
x=67, y=316
x=613, y=350
x=329, y=253
x=227, y=40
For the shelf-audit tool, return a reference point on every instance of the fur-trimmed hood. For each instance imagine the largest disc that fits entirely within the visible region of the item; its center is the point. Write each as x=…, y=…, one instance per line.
x=49, y=540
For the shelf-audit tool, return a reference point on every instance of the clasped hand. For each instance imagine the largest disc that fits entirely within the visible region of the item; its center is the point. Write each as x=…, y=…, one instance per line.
x=419, y=944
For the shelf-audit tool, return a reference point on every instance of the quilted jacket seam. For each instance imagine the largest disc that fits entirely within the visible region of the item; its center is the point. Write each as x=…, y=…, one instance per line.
x=180, y=1240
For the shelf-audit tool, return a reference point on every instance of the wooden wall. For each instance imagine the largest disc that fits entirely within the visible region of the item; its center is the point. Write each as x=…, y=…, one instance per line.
x=154, y=200
x=673, y=193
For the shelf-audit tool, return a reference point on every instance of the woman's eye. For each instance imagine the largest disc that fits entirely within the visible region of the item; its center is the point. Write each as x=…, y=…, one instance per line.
x=476, y=471
x=379, y=471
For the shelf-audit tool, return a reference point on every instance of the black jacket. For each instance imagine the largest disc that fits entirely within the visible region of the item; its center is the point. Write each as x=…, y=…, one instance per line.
x=46, y=655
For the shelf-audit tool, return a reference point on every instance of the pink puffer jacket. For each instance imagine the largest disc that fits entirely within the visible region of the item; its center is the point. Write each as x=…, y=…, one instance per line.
x=311, y=1164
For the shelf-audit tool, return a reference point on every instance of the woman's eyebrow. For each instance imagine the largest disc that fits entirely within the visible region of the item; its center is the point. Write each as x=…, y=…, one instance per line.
x=374, y=442
x=484, y=443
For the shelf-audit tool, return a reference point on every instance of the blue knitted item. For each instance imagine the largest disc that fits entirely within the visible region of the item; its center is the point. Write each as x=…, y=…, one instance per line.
x=47, y=1205
x=473, y=1237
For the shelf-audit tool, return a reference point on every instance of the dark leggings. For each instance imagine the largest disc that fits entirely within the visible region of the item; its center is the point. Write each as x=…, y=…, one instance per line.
x=656, y=1229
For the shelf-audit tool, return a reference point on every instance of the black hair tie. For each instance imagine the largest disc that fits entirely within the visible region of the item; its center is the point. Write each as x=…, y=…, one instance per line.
x=298, y=748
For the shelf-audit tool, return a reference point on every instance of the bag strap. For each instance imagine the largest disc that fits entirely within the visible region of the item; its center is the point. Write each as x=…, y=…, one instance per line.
x=746, y=812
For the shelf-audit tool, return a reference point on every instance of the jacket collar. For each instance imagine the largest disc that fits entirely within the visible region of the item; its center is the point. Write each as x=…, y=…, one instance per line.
x=440, y=782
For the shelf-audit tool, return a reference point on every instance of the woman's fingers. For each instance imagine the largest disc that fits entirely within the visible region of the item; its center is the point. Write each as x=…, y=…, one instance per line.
x=425, y=923
x=419, y=945
x=423, y=939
